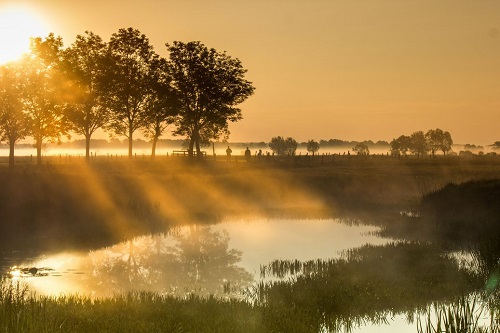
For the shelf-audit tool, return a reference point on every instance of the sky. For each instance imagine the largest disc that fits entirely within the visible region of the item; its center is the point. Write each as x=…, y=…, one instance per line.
x=323, y=69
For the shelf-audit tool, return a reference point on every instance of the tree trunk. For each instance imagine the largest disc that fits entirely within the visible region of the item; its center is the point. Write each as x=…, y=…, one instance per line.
x=11, y=154
x=198, y=150
x=191, y=146
x=87, y=147
x=153, y=149
x=39, y=151
x=130, y=140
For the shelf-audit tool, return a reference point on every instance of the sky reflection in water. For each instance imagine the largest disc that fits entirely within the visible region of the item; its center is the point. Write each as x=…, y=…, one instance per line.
x=220, y=259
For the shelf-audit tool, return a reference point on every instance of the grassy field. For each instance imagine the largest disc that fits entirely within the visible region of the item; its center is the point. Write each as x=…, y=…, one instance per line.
x=70, y=203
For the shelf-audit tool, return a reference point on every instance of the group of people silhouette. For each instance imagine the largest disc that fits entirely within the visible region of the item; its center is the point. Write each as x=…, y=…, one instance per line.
x=248, y=154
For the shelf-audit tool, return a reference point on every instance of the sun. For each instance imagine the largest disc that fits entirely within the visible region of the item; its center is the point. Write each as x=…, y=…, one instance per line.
x=17, y=26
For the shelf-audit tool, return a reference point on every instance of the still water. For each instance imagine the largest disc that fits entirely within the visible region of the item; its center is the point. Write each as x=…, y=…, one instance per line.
x=226, y=260
x=189, y=259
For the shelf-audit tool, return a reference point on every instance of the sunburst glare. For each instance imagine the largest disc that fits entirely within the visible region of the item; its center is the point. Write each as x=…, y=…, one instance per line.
x=17, y=26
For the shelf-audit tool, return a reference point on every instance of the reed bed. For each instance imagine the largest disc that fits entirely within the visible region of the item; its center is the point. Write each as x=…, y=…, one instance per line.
x=462, y=316
x=23, y=312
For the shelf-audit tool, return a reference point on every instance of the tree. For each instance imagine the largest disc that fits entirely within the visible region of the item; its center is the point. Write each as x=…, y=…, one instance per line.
x=400, y=145
x=446, y=143
x=281, y=146
x=12, y=119
x=312, y=146
x=163, y=107
x=131, y=78
x=361, y=149
x=210, y=84
x=438, y=140
x=84, y=68
x=418, y=142
x=42, y=84
x=291, y=146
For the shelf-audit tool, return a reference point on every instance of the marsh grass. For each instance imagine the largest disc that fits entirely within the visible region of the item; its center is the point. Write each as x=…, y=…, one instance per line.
x=365, y=284
x=462, y=316
x=132, y=312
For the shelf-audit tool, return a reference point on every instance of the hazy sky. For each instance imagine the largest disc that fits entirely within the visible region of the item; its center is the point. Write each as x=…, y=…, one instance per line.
x=346, y=69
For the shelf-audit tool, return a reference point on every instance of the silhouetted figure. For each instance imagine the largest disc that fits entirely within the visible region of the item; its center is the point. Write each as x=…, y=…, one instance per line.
x=228, y=153
x=248, y=154
x=259, y=154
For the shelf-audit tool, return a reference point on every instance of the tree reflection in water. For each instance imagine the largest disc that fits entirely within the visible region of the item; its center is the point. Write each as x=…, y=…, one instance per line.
x=195, y=260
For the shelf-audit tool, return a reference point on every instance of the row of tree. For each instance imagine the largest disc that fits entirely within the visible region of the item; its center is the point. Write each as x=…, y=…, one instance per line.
x=121, y=86
x=420, y=143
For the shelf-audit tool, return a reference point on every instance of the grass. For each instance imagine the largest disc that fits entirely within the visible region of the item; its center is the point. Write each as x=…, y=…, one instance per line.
x=462, y=316
x=366, y=284
x=102, y=202
x=133, y=312
x=63, y=206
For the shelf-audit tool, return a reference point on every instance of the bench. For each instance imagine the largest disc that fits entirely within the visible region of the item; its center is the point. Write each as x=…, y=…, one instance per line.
x=186, y=152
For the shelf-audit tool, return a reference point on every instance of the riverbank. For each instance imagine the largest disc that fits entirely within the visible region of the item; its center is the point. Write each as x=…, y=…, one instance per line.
x=72, y=204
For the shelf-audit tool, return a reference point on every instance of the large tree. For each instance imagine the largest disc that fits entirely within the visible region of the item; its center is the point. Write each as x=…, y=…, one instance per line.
x=12, y=118
x=438, y=139
x=131, y=81
x=401, y=145
x=84, y=64
x=163, y=107
x=418, y=143
x=210, y=84
x=42, y=86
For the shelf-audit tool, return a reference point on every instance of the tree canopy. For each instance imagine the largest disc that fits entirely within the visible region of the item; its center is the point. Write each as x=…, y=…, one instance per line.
x=312, y=146
x=131, y=75
x=210, y=85
x=12, y=117
x=281, y=146
x=42, y=85
x=84, y=65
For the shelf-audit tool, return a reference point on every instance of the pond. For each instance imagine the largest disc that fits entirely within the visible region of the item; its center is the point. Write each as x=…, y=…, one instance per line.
x=234, y=245
x=262, y=260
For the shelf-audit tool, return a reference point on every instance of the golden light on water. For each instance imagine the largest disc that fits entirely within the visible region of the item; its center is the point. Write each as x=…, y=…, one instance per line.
x=17, y=25
x=15, y=272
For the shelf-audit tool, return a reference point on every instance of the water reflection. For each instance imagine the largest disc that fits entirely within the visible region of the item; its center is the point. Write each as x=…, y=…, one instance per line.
x=220, y=259
x=193, y=260
x=303, y=275
x=365, y=285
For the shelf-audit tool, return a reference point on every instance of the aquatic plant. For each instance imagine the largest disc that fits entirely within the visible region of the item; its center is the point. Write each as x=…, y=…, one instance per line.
x=461, y=316
x=365, y=284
